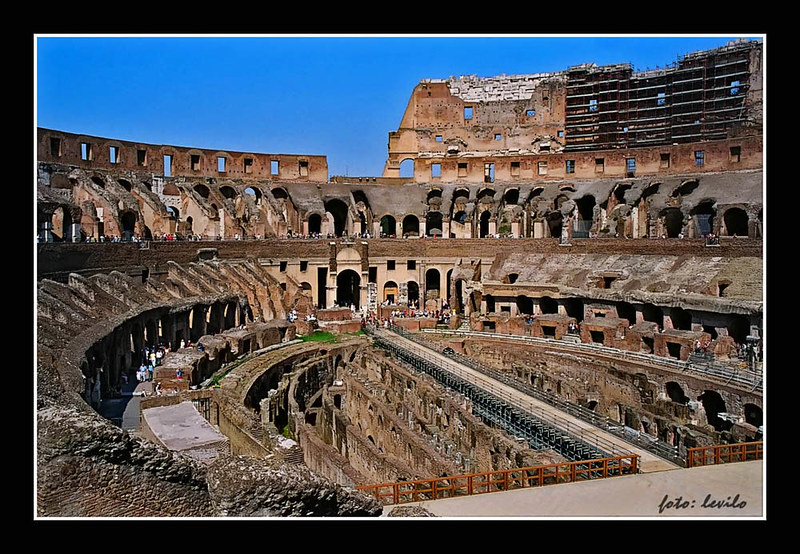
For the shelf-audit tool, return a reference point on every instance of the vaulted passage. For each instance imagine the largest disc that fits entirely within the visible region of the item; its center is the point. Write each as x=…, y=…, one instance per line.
x=347, y=288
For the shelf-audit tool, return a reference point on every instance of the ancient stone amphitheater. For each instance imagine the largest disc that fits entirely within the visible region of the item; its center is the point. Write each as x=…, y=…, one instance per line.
x=619, y=272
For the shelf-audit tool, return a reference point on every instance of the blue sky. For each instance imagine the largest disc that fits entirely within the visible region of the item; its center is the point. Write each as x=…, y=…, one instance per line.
x=337, y=96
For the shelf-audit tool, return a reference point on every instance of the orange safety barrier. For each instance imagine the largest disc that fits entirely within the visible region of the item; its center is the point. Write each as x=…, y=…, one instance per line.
x=724, y=453
x=502, y=480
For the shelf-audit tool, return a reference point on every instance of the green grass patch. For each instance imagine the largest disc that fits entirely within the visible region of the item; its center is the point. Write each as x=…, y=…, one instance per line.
x=326, y=336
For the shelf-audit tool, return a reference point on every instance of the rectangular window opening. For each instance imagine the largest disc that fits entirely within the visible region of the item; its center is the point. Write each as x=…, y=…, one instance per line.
x=598, y=337
x=593, y=105
x=439, y=138
x=734, y=88
x=113, y=154
x=411, y=264
x=373, y=274
x=390, y=265
x=699, y=157
x=248, y=165
x=661, y=99
x=542, y=168
x=599, y=165
x=273, y=167
x=221, y=164
x=141, y=157
x=468, y=112
x=561, y=134
x=283, y=267
x=436, y=170
x=303, y=166
x=530, y=113
x=55, y=147
x=515, y=167
x=498, y=136
x=549, y=331
x=570, y=164
x=462, y=169
x=664, y=160
x=736, y=154
x=630, y=167
x=303, y=265
x=86, y=151
x=167, y=165
x=488, y=173
x=195, y=162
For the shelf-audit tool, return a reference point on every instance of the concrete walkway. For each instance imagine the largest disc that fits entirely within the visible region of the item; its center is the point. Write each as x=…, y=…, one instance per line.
x=681, y=493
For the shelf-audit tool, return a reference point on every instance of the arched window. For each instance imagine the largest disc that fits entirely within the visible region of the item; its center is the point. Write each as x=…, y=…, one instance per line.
x=410, y=226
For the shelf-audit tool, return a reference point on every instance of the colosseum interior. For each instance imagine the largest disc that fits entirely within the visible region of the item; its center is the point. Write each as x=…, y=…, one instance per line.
x=594, y=235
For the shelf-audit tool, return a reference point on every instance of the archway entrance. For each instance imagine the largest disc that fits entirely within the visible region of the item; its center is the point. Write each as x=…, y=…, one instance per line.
x=128, y=225
x=413, y=292
x=410, y=226
x=735, y=222
x=314, y=224
x=484, y=231
x=338, y=210
x=673, y=222
x=348, y=291
x=390, y=292
x=388, y=226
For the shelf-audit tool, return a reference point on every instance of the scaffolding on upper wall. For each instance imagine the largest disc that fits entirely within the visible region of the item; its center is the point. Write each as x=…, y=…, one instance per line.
x=702, y=97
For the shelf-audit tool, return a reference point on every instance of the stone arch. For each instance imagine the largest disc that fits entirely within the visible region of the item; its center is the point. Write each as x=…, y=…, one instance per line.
x=413, y=292
x=97, y=180
x=388, y=226
x=574, y=308
x=460, y=216
x=338, y=209
x=735, y=222
x=703, y=215
x=433, y=280
x=511, y=195
x=753, y=415
x=202, y=190
x=410, y=225
x=124, y=183
x=174, y=213
x=255, y=192
x=511, y=278
x=228, y=192
x=407, y=167
x=390, y=292
x=558, y=201
x=554, y=223
x=461, y=192
x=314, y=223
x=685, y=188
x=714, y=404
x=128, y=220
x=486, y=215
x=435, y=195
x=433, y=224
x=348, y=288
x=548, y=305
x=675, y=393
x=279, y=193
x=524, y=305
x=585, y=216
x=681, y=319
x=673, y=221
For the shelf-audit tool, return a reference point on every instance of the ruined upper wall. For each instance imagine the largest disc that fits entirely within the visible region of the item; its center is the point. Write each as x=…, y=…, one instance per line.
x=710, y=95
x=87, y=151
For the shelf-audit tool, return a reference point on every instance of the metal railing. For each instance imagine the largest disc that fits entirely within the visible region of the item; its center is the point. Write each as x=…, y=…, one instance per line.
x=502, y=480
x=727, y=373
x=724, y=454
x=495, y=404
x=629, y=435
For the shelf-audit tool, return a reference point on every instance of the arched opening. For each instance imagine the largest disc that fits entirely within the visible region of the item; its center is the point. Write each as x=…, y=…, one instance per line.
x=620, y=190
x=434, y=196
x=410, y=226
x=574, y=308
x=348, y=288
x=98, y=181
x=739, y=328
x=125, y=184
x=460, y=302
x=713, y=404
x=681, y=319
x=202, y=190
x=548, y=305
x=407, y=168
x=279, y=193
x=228, y=192
x=511, y=278
x=174, y=213
x=390, y=292
x=128, y=220
x=559, y=201
x=306, y=286
x=675, y=393
x=448, y=278
x=673, y=222
x=460, y=217
x=432, y=283
x=653, y=314
x=489, y=299
x=413, y=292
x=753, y=415
x=524, y=305
x=554, y=222
x=338, y=210
x=625, y=310
x=189, y=222
x=703, y=216
x=511, y=196
x=314, y=224
x=685, y=188
x=362, y=219
x=583, y=223
x=484, y=224
x=254, y=193
x=433, y=224
x=735, y=220
x=388, y=226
